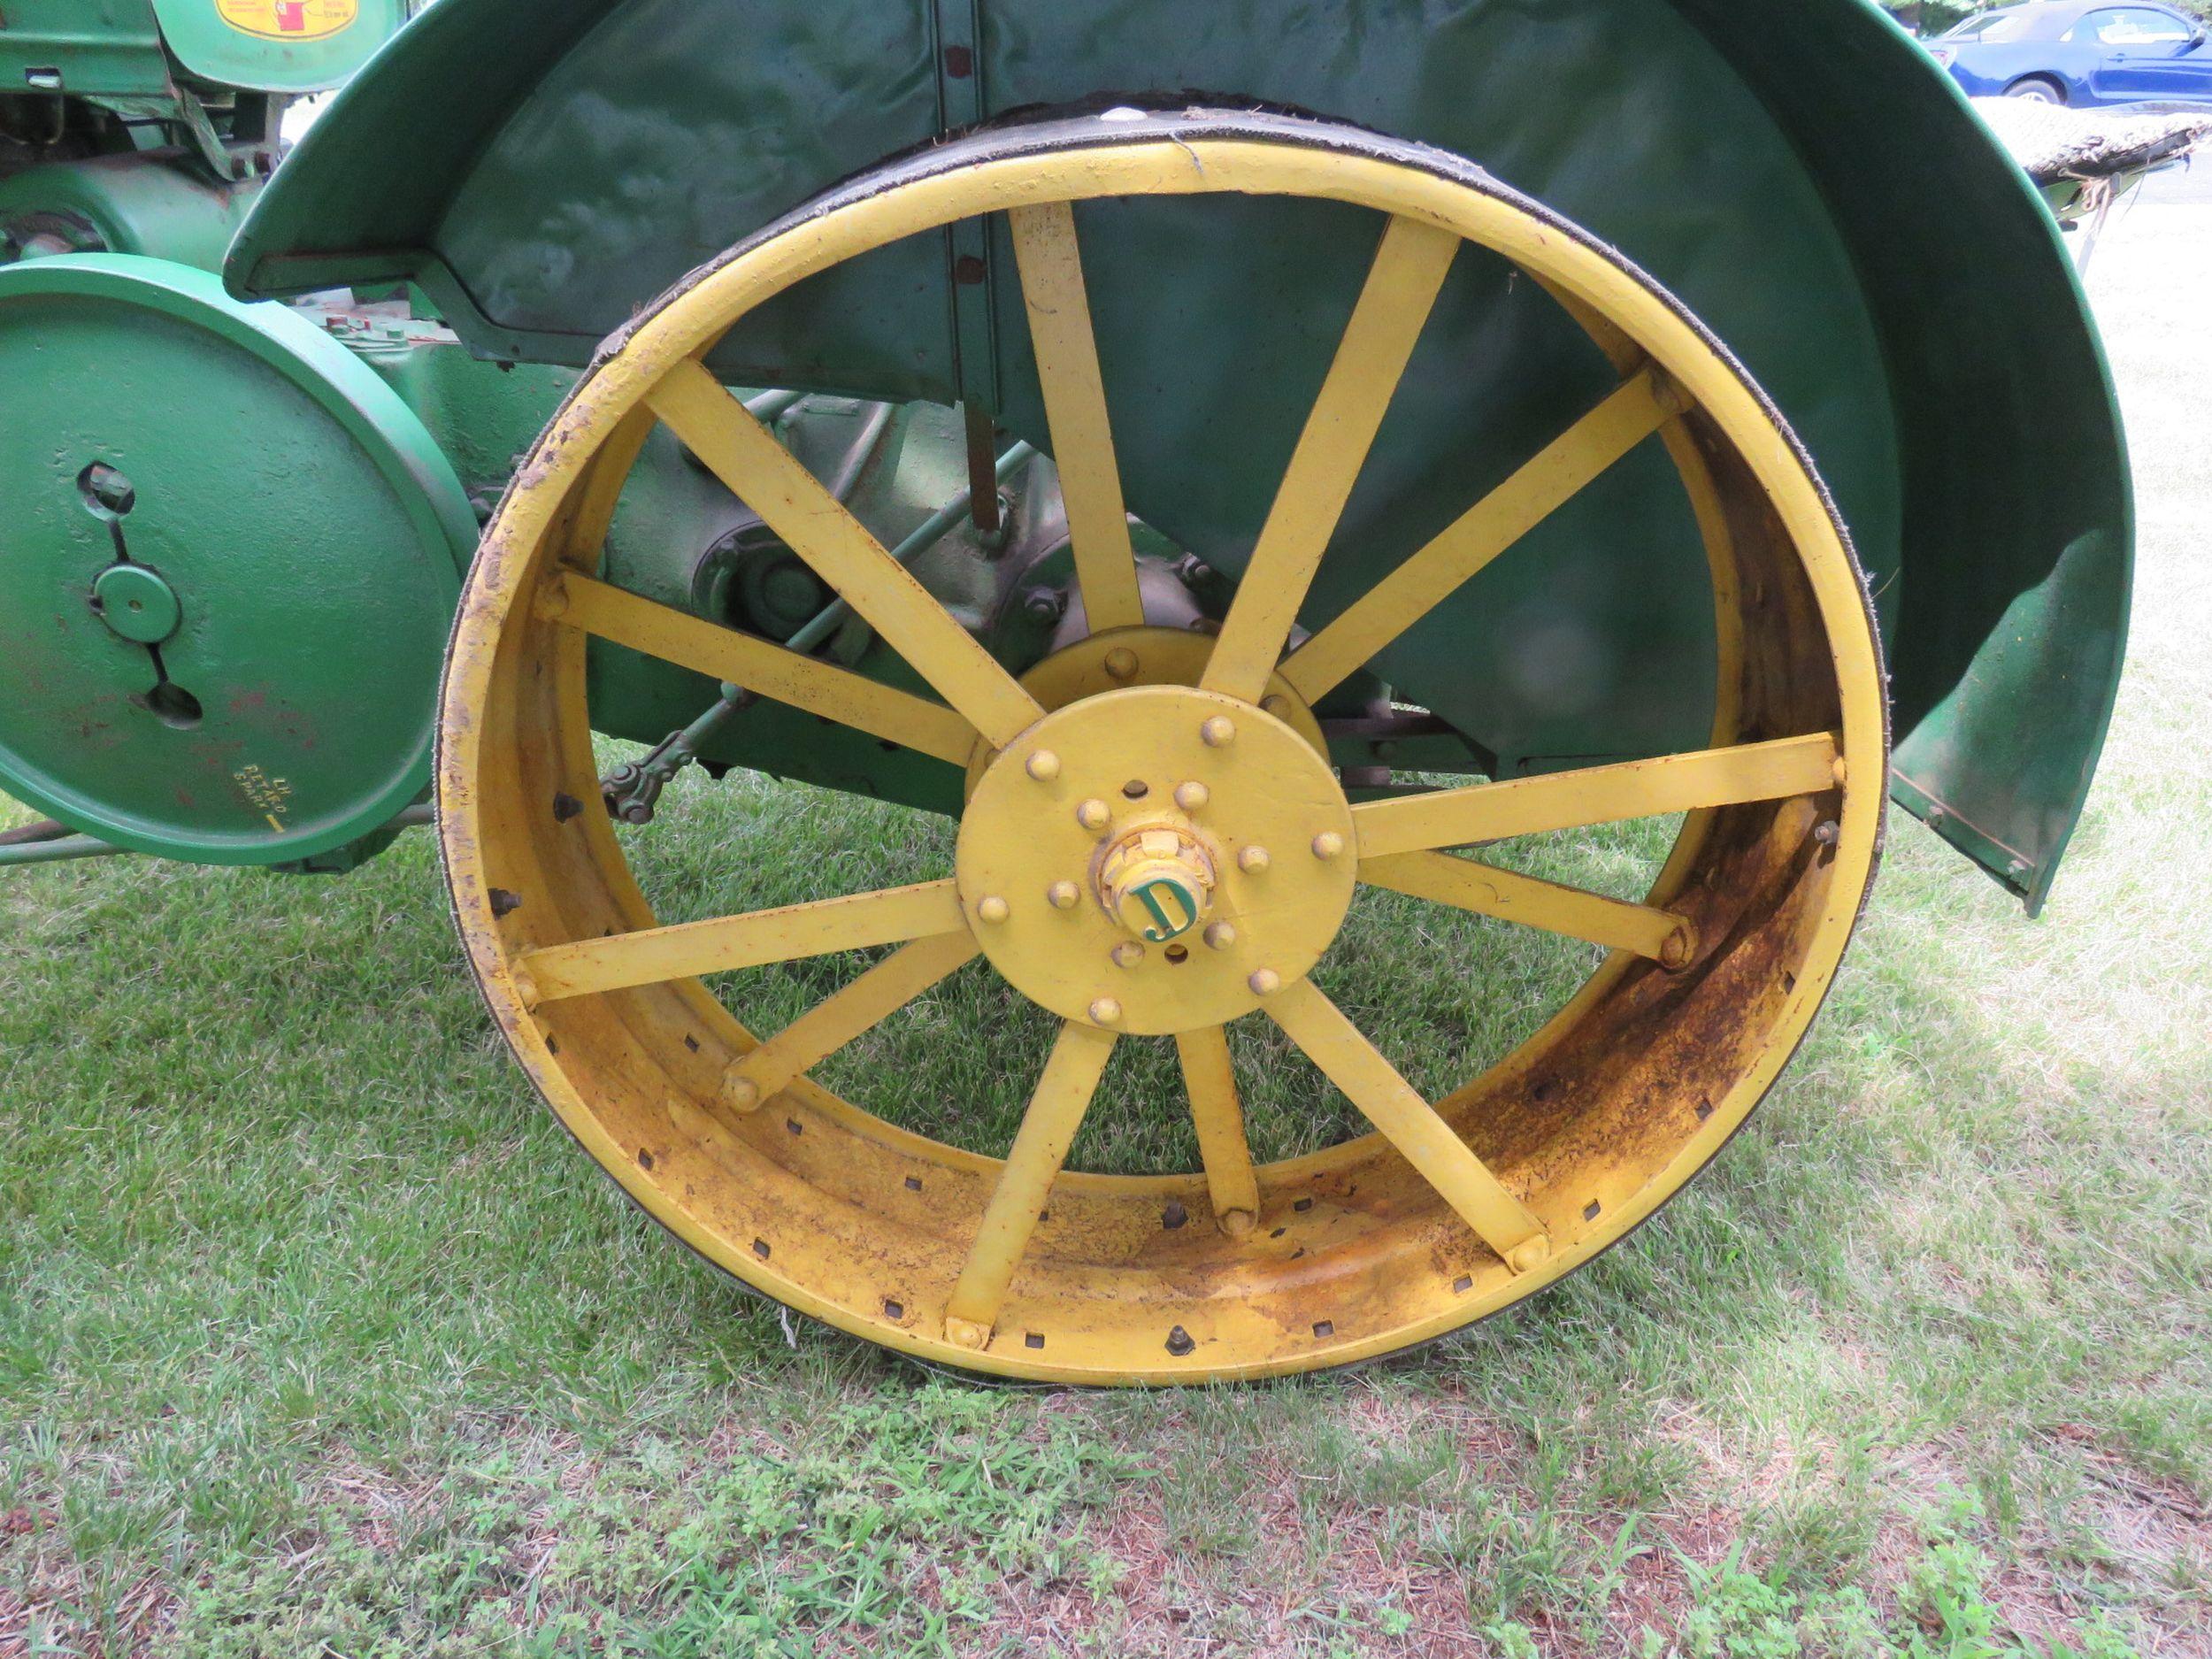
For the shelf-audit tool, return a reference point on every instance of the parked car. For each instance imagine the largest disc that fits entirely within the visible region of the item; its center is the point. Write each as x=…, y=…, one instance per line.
x=2079, y=52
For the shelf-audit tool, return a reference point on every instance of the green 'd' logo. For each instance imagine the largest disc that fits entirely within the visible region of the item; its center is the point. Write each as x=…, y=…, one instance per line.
x=1172, y=907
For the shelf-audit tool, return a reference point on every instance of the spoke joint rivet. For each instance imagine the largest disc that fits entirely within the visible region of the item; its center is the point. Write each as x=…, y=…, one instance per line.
x=1094, y=815
x=1264, y=982
x=1218, y=733
x=1220, y=935
x=1127, y=954
x=1105, y=1011
x=1062, y=896
x=741, y=1091
x=1121, y=662
x=992, y=908
x=1327, y=844
x=1192, y=796
x=1044, y=765
x=1252, y=860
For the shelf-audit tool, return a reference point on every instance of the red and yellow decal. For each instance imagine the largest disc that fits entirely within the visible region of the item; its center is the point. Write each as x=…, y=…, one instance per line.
x=289, y=19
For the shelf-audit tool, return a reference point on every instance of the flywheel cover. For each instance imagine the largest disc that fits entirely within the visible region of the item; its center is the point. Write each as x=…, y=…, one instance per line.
x=233, y=557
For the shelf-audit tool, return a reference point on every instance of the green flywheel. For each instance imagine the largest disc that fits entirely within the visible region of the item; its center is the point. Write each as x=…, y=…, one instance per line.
x=230, y=562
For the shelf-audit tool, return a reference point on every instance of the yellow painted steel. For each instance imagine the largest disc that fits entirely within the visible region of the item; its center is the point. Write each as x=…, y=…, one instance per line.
x=1210, y=1078
x=1486, y=890
x=1360, y=1248
x=814, y=524
x=764, y=669
x=1051, y=264
x=1401, y=290
x=837, y=1020
x=1598, y=795
x=853, y=923
x=1411, y=1124
x=1041, y=1147
x=1563, y=467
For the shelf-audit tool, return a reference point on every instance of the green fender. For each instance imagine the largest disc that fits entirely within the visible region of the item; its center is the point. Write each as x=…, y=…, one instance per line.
x=1892, y=280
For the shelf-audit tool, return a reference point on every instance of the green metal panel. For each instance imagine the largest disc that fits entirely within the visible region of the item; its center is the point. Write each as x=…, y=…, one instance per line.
x=98, y=48
x=290, y=46
x=1894, y=284
x=234, y=466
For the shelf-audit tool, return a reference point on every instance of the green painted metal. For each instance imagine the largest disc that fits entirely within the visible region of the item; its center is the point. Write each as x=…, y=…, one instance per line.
x=137, y=603
x=309, y=530
x=155, y=204
x=1894, y=284
x=139, y=47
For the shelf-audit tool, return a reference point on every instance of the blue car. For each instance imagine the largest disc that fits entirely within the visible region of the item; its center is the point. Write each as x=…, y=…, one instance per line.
x=2078, y=52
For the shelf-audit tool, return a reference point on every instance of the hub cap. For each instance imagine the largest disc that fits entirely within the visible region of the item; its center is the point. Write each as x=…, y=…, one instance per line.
x=1155, y=829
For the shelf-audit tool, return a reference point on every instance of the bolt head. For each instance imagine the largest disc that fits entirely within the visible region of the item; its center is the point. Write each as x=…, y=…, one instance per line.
x=1094, y=815
x=1044, y=765
x=993, y=910
x=1127, y=954
x=1219, y=733
x=1252, y=860
x=1220, y=935
x=1264, y=982
x=1062, y=896
x=1328, y=844
x=1121, y=662
x=1106, y=1011
x=1193, y=797
x=741, y=1093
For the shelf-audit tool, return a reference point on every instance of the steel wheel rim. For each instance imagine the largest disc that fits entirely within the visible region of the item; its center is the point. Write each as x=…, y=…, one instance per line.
x=852, y=1220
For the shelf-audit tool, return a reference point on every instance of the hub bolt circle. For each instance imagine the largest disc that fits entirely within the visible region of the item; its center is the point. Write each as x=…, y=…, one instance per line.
x=1193, y=797
x=1094, y=815
x=1219, y=733
x=1121, y=662
x=1044, y=765
x=1265, y=982
x=1105, y=1011
x=1062, y=896
x=993, y=910
x=1220, y=935
x=1327, y=844
x=1127, y=954
x=1252, y=860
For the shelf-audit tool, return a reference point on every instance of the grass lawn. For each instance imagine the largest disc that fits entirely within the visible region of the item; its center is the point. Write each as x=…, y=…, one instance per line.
x=318, y=1337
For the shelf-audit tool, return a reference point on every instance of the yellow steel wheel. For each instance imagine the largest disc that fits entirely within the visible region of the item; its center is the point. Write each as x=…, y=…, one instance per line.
x=1153, y=854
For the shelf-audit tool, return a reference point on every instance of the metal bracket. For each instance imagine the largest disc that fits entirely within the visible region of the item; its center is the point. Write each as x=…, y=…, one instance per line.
x=969, y=263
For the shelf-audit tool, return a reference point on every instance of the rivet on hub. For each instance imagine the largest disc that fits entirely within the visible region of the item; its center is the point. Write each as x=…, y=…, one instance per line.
x=1062, y=896
x=1121, y=662
x=1127, y=954
x=1094, y=815
x=1219, y=733
x=1044, y=765
x=1264, y=982
x=1193, y=797
x=1327, y=844
x=1252, y=860
x=1220, y=935
x=993, y=910
x=1105, y=1011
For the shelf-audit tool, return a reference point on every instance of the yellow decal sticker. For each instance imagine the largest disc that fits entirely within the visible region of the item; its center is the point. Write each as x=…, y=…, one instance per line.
x=289, y=19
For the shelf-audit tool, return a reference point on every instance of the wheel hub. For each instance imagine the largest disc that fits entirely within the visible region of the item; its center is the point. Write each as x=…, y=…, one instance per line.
x=1157, y=859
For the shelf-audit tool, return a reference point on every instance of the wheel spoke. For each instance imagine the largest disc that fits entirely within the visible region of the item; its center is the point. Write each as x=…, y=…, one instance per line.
x=1485, y=890
x=1408, y=1123
x=766, y=669
x=1041, y=1147
x=655, y=954
x=1401, y=288
x=1051, y=264
x=1212, y=1082
x=1632, y=413
x=1598, y=795
x=837, y=1020
x=814, y=524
